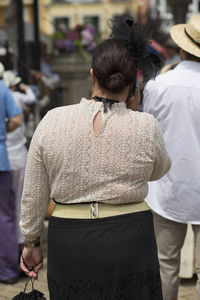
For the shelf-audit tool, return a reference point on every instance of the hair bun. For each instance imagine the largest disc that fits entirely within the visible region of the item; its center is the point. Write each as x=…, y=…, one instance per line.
x=116, y=82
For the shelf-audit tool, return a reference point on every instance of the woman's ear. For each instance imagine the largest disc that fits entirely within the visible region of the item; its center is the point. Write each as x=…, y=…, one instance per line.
x=92, y=76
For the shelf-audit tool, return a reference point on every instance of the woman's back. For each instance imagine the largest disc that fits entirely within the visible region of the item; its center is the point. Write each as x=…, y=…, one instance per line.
x=112, y=166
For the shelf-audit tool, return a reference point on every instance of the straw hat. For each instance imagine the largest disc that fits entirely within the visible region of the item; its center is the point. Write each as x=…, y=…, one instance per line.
x=10, y=79
x=187, y=36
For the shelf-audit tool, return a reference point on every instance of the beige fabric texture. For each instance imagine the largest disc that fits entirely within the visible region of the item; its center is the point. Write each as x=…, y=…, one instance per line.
x=71, y=164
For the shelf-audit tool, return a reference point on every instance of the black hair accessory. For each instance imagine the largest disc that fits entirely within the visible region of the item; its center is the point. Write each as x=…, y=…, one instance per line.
x=124, y=28
x=107, y=103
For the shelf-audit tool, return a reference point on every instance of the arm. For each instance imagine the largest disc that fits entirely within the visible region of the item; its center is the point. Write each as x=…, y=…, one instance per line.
x=28, y=97
x=35, y=197
x=35, y=200
x=51, y=82
x=14, y=122
x=13, y=112
x=162, y=161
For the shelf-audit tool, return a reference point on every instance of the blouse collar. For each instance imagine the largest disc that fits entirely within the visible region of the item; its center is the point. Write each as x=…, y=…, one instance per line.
x=95, y=105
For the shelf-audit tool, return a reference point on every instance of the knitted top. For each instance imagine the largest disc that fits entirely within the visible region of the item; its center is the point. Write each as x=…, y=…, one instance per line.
x=67, y=161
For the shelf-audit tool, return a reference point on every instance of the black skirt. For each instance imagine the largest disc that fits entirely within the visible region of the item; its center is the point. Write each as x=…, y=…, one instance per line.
x=112, y=258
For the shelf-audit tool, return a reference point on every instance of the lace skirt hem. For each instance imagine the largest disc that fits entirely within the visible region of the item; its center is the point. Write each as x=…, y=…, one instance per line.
x=146, y=286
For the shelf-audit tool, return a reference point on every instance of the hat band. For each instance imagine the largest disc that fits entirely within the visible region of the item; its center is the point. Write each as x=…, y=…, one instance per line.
x=189, y=36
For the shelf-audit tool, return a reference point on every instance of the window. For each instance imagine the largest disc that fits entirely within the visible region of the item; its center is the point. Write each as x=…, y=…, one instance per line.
x=61, y=22
x=93, y=20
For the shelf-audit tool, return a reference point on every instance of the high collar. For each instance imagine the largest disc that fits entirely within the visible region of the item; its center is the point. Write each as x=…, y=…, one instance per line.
x=92, y=105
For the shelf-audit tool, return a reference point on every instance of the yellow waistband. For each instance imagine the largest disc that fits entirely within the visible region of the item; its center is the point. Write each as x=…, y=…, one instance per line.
x=96, y=210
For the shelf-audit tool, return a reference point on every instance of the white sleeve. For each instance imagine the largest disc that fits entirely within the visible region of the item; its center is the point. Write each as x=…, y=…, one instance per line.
x=51, y=82
x=149, y=97
x=162, y=162
x=28, y=97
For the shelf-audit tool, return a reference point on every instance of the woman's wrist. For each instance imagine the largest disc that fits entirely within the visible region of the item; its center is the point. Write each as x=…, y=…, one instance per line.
x=32, y=243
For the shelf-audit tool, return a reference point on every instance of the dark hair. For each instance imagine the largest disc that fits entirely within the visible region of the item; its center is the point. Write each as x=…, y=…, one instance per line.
x=192, y=57
x=114, y=66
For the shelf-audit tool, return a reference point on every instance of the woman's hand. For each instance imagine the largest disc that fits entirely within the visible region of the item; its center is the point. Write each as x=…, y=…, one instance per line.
x=31, y=261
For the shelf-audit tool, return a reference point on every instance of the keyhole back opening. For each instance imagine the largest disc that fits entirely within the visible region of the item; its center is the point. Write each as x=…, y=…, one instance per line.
x=97, y=123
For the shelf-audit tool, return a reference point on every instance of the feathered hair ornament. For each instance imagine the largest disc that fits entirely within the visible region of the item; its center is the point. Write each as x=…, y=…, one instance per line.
x=148, y=62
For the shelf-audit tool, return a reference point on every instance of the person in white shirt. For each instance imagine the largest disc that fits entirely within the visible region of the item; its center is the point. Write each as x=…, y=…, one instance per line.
x=174, y=99
x=2, y=69
x=16, y=140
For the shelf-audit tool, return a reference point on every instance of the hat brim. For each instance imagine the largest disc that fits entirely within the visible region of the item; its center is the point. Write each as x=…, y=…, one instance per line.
x=180, y=38
x=16, y=81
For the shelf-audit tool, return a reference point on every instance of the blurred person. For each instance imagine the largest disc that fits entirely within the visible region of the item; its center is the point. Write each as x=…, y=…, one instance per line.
x=23, y=94
x=174, y=99
x=95, y=159
x=10, y=119
x=16, y=141
x=51, y=82
x=50, y=79
x=2, y=69
x=173, y=53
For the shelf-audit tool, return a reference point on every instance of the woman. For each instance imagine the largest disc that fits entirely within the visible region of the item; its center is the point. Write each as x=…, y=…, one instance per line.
x=95, y=159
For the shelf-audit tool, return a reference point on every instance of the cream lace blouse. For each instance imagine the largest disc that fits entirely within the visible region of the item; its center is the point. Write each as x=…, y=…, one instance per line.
x=67, y=161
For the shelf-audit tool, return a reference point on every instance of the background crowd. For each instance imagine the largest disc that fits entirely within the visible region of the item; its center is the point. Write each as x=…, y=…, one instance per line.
x=24, y=105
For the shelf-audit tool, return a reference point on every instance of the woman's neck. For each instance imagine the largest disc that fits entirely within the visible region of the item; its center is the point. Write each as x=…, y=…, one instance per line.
x=122, y=96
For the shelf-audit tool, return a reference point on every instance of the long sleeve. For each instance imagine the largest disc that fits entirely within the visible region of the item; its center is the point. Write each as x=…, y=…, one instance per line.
x=162, y=161
x=51, y=82
x=11, y=107
x=35, y=198
x=149, y=97
x=28, y=97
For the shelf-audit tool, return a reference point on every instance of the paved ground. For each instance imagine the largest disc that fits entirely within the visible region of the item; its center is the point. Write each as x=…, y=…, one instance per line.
x=7, y=292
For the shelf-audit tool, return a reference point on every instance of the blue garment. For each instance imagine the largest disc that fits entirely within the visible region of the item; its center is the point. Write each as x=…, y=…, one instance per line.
x=8, y=109
x=36, y=91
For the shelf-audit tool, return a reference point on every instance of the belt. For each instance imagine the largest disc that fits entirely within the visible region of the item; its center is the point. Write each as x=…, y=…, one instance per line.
x=95, y=210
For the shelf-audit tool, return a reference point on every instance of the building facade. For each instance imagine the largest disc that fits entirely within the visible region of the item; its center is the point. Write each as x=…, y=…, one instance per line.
x=70, y=13
x=28, y=11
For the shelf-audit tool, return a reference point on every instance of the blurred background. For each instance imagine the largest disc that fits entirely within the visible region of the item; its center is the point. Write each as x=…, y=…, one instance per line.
x=47, y=45
x=26, y=24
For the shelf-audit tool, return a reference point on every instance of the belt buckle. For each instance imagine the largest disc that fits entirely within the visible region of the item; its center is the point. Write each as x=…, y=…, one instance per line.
x=94, y=210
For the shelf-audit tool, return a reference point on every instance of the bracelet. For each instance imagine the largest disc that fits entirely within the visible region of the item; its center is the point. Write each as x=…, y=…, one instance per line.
x=32, y=267
x=32, y=244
